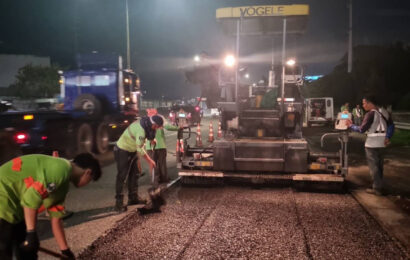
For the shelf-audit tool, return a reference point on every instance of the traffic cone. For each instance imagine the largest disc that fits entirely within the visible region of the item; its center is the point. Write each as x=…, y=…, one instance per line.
x=178, y=148
x=219, y=130
x=211, y=133
x=198, y=136
x=182, y=145
x=55, y=154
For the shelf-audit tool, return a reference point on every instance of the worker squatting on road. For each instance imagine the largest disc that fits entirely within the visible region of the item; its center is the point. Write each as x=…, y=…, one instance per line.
x=30, y=184
x=126, y=152
x=380, y=128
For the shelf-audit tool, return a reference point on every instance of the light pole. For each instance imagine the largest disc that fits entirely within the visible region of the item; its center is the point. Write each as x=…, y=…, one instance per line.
x=128, y=36
x=350, y=48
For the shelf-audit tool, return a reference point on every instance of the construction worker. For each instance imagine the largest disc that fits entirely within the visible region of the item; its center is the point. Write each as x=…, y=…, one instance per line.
x=158, y=151
x=129, y=147
x=345, y=108
x=32, y=183
x=380, y=128
x=357, y=115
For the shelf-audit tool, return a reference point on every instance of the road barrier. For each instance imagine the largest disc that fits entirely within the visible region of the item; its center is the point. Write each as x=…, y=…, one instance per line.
x=402, y=125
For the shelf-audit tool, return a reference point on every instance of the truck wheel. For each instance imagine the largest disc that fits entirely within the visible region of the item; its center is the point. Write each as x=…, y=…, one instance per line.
x=89, y=104
x=102, y=139
x=84, y=138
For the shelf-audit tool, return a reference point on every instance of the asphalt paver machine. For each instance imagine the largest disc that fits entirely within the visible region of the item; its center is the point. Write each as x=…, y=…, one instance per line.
x=260, y=143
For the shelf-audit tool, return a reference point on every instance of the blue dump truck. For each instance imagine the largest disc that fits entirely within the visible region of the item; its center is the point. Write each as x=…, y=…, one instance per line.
x=100, y=99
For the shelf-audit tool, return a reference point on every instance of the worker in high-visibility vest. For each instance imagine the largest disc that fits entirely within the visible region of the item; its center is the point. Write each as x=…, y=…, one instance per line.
x=128, y=150
x=30, y=184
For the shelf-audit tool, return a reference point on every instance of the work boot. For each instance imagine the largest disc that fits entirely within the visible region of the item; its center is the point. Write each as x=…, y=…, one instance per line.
x=151, y=207
x=135, y=200
x=119, y=206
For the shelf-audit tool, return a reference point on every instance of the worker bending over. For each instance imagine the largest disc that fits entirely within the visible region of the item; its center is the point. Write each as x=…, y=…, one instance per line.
x=30, y=184
x=126, y=151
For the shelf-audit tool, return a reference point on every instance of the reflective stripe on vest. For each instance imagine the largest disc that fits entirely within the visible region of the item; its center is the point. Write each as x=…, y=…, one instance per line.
x=56, y=208
x=29, y=181
x=16, y=166
x=377, y=132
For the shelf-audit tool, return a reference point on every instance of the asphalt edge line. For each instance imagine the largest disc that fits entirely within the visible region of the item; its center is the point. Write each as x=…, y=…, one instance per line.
x=385, y=227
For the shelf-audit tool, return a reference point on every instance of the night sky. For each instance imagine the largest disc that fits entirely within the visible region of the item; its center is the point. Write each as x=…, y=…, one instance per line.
x=166, y=34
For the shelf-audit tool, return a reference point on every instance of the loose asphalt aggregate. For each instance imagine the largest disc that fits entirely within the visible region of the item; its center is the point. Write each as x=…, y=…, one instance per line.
x=246, y=223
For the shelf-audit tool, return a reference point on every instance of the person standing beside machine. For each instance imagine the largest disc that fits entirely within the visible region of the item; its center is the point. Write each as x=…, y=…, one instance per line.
x=357, y=115
x=380, y=128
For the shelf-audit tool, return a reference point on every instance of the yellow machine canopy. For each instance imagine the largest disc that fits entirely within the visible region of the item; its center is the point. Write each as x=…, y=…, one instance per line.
x=264, y=19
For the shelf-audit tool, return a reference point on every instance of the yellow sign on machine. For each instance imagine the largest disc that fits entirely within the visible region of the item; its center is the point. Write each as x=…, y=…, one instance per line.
x=262, y=10
x=264, y=19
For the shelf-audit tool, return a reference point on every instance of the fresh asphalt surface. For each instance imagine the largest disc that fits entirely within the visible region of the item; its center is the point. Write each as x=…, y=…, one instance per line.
x=222, y=222
x=245, y=223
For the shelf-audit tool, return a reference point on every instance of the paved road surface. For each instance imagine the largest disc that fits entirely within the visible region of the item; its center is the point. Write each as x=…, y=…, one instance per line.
x=245, y=223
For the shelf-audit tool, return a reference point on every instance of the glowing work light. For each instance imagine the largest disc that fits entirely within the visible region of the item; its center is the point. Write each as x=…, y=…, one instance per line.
x=229, y=60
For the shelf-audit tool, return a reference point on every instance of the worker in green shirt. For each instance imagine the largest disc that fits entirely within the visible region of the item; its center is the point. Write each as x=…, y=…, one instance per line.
x=158, y=151
x=128, y=149
x=345, y=108
x=357, y=115
x=30, y=184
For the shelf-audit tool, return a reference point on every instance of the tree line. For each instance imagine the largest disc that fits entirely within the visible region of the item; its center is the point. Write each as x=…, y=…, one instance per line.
x=380, y=71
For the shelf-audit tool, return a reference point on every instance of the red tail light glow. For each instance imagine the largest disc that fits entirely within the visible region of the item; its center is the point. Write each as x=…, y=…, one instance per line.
x=21, y=138
x=197, y=108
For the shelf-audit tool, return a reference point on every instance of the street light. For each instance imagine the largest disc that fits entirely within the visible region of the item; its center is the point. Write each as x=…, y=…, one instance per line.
x=247, y=75
x=291, y=62
x=229, y=60
x=197, y=58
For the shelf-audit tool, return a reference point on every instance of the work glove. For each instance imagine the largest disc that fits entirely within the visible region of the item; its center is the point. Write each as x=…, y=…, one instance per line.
x=31, y=243
x=68, y=254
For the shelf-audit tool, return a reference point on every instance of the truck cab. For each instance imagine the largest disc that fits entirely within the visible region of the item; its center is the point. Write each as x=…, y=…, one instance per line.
x=100, y=88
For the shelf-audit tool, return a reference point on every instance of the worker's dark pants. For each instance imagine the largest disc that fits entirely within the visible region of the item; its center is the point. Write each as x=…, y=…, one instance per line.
x=160, y=158
x=127, y=169
x=12, y=236
x=375, y=159
x=357, y=120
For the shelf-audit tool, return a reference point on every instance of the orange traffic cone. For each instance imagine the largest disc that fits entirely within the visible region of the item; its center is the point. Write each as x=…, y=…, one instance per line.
x=182, y=145
x=219, y=130
x=211, y=133
x=198, y=136
x=178, y=148
x=55, y=154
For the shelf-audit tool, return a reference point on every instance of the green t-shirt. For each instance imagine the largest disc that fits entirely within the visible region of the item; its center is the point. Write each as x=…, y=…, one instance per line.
x=160, y=137
x=133, y=139
x=33, y=181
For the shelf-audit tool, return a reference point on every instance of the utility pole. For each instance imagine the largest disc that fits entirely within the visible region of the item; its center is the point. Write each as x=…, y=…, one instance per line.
x=128, y=36
x=350, y=48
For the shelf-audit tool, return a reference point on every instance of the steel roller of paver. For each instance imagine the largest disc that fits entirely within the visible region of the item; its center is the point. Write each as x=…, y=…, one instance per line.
x=260, y=144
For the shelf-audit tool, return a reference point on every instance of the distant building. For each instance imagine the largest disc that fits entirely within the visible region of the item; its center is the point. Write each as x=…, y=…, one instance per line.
x=10, y=64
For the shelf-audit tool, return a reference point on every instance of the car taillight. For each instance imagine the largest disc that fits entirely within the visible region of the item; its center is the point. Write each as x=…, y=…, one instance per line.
x=21, y=138
x=197, y=108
